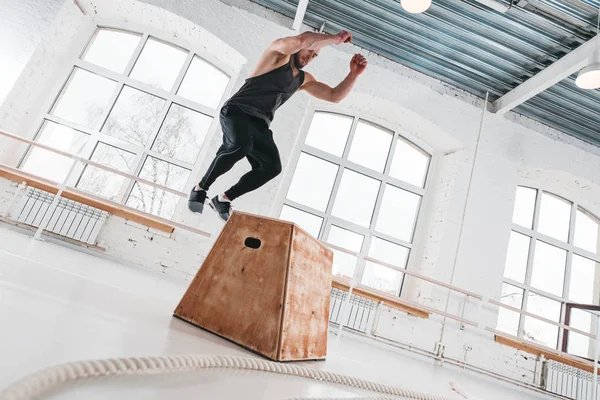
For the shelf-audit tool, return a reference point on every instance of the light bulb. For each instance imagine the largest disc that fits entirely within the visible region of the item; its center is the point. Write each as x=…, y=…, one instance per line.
x=589, y=77
x=415, y=6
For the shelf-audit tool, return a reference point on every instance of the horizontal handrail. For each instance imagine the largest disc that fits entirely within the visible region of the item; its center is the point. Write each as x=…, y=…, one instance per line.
x=548, y=321
x=425, y=278
x=132, y=214
x=377, y=296
x=383, y=297
x=134, y=210
x=338, y=248
x=372, y=292
x=97, y=199
x=459, y=290
x=538, y=349
x=569, y=306
x=94, y=164
x=112, y=170
x=405, y=271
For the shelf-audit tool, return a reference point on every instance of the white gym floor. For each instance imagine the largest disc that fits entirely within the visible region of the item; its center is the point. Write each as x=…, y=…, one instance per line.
x=58, y=304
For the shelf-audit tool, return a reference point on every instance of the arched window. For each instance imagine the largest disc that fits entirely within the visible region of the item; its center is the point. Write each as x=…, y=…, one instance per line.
x=552, y=260
x=137, y=104
x=359, y=186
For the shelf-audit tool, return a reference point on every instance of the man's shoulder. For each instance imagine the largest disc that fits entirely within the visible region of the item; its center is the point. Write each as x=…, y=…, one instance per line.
x=269, y=61
x=308, y=77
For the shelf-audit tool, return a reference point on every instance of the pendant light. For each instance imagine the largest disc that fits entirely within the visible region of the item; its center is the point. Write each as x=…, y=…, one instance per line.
x=589, y=77
x=415, y=6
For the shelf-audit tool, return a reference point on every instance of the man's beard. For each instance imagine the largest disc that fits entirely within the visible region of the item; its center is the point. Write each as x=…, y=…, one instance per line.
x=297, y=61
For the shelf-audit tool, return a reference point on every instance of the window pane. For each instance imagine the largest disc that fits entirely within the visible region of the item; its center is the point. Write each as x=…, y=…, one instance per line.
x=409, y=164
x=508, y=321
x=344, y=264
x=356, y=198
x=539, y=331
x=134, y=116
x=555, y=214
x=84, y=98
x=312, y=182
x=159, y=64
x=516, y=257
x=548, y=272
x=581, y=346
x=398, y=213
x=578, y=344
x=382, y=278
x=388, y=252
x=310, y=223
x=50, y=165
x=203, y=83
x=329, y=132
x=586, y=231
x=164, y=173
x=370, y=146
x=182, y=134
x=154, y=201
x=543, y=306
x=101, y=182
x=524, y=206
x=583, y=277
x=582, y=320
x=112, y=49
x=344, y=238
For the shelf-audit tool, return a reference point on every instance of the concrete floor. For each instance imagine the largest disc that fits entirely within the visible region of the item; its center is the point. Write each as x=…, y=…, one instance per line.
x=58, y=305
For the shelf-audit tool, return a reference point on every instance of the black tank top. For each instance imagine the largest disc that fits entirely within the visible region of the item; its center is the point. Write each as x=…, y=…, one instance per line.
x=262, y=95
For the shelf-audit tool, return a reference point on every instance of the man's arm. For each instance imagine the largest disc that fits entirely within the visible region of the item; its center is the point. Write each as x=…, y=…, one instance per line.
x=309, y=41
x=322, y=91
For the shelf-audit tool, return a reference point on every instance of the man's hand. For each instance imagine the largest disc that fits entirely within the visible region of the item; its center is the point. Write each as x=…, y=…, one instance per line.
x=343, y=37
x=358, y=64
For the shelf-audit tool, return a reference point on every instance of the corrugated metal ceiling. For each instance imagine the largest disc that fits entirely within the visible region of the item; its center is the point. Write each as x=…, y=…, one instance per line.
x=466, y=44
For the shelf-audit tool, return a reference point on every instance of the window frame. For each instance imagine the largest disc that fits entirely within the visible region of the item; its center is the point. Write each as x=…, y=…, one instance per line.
x=569, y=306
x=416, y=246
x=73, y=60
x=568, y=246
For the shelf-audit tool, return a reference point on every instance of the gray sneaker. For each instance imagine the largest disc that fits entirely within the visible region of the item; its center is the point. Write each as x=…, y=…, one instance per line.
x=196, y=200
x=223, y=208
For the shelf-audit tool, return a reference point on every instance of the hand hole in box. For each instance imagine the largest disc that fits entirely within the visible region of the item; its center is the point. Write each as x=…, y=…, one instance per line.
x=253, y=243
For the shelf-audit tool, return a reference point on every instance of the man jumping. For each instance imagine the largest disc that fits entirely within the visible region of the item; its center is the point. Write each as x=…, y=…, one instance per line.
x=245, y=118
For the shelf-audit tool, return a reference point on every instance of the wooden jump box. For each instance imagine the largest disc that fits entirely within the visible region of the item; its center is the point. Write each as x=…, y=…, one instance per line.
x=264, y=285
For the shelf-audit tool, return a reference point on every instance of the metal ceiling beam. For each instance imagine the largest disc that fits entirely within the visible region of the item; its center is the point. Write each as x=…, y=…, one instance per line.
x=494, y=5
x=300, y=12
x=550, y=76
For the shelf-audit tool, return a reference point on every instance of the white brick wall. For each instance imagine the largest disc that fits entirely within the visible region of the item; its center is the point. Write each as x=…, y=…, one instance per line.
x=23, y=24
x=513, y=150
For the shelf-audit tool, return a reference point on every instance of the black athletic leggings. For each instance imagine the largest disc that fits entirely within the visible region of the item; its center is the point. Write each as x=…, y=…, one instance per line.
x=244, y=136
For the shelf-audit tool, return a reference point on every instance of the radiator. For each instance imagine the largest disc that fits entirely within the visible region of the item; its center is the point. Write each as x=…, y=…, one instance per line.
x=567, y=381
x=69, y=219
x=362, y=311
